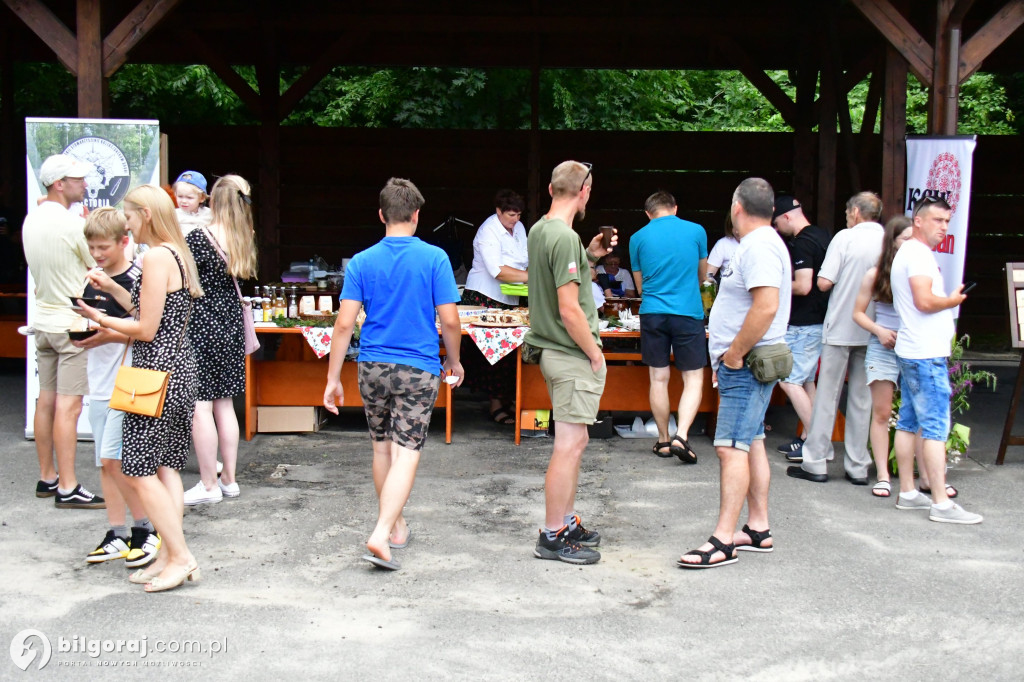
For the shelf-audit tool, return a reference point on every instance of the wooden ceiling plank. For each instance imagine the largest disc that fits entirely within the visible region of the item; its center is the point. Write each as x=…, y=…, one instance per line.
x=49, y=29
x=990, y=36
x=222, y=68
x=899, y=32
x=133, y=28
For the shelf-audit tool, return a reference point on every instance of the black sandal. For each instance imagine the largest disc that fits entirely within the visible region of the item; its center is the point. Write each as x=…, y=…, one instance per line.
x=928, y=491
x=685, y=454
x=657, y=449
x=705, y=557
x=756, y=538
x=502, y=416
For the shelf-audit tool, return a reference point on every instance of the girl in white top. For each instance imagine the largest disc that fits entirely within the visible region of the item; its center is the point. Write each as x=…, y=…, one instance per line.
x=723, y=250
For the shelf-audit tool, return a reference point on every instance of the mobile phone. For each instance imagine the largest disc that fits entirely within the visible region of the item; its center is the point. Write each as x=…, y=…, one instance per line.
x=968, y=287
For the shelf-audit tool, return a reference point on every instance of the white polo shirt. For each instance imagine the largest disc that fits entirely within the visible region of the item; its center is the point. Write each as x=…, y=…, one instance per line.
x=493, y=247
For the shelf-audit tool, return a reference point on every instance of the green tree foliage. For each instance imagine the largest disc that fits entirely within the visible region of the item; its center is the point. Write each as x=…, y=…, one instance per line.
x=464, y=98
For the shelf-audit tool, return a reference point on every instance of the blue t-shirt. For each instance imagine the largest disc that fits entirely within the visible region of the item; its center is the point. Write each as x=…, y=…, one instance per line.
x=667, y=252
x=400, y=281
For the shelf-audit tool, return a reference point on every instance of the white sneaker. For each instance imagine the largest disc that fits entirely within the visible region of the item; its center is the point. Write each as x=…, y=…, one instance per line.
x=229, y=490
x=198, y=494
x=955, y=514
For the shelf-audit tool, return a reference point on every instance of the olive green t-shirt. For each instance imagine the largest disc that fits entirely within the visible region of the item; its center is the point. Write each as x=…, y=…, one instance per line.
x=557, y=257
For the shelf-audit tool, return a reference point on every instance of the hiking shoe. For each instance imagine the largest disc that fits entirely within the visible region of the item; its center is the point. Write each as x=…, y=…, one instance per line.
x=955, y=514
x=79, y=498
x=111, y=548
x=198, y=494
x=44, y=489
x=921, y=501
x=582, y=536
x=142, y=548
x=794, y=445
x=228, y=490
x=562, y=549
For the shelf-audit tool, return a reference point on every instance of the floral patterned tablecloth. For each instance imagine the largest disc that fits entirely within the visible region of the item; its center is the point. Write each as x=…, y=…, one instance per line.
x=319, y=339
x=497, y=342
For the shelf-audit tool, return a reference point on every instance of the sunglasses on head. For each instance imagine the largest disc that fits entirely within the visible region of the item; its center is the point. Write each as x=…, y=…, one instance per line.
x=590, y=167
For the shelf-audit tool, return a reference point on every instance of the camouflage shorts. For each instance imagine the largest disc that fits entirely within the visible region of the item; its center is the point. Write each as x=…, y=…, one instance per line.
x=398, y=401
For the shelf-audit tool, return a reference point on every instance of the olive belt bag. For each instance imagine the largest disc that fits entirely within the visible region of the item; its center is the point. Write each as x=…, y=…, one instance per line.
x=770, y=363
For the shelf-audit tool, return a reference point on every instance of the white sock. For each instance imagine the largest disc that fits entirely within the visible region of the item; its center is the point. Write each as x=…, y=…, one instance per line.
x=945, y=506
x=909, y=496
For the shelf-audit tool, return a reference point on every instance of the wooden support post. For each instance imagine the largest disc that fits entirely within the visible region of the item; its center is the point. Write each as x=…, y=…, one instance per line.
x=804, y=140
x=92, y=90
x=944, y=90
x=894, y=133
x=269, y=182
x=10, y=164
x=827, y=139
x=534, y=185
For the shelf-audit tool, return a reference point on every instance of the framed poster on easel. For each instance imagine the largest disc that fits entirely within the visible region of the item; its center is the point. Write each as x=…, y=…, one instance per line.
x=1015, y=299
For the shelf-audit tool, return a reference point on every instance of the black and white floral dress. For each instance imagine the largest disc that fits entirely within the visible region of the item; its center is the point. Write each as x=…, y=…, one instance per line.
x=218, y=337
x=148, y=442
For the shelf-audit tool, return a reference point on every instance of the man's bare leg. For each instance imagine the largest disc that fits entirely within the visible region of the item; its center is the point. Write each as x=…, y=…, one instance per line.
x=757, y=497
x=65, y=437
x=735, y=484
x=563, y=473
x=394, y=493
x=659, y=377
x=689, y=401
x=42, y=427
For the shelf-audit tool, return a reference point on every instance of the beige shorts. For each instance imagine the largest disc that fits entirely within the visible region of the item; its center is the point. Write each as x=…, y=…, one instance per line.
x=574, y=388
x=61, y=366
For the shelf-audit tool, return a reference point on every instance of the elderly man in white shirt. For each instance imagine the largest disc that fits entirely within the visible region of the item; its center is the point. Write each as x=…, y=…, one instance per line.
x=499, y=256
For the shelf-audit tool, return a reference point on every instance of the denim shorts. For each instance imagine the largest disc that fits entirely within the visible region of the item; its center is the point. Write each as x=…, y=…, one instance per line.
x=106, y=430
x=805, y=344
x=880, y=363
x=743, y=402
x=924, y=392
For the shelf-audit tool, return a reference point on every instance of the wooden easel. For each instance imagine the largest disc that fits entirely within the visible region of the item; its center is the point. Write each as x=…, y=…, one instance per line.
x=1015, y=296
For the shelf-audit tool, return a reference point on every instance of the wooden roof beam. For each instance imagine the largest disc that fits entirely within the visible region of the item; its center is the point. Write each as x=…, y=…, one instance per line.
x=49, y=29
x=899, y=32
x=759, y=79
x=959, y=11
x=316, y=72
x=222, y=68
x=133, y=28
x=990, y=36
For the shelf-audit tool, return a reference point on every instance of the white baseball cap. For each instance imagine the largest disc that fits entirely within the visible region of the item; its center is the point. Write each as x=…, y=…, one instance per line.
x=60, y=166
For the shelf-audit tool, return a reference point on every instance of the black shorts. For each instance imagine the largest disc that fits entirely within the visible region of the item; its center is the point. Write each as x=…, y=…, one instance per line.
x=683, y=336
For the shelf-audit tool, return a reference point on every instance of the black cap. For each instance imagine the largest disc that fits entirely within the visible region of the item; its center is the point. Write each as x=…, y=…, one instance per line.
x=784, y=204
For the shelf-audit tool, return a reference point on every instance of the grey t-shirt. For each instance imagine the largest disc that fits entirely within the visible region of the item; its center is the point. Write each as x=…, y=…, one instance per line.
x=851, y=253
x=761, y=260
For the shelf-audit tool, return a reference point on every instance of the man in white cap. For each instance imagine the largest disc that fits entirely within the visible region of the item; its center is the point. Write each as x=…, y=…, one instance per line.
x=58, y=258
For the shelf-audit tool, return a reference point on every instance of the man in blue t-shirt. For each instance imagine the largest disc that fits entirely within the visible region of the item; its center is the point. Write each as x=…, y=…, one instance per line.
x=670, y=259
x=400, y=282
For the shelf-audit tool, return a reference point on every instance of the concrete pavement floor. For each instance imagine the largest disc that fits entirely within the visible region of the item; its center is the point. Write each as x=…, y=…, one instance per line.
x=856, y=589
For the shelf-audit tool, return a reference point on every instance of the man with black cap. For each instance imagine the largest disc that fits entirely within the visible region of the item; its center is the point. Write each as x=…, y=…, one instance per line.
x=807, y=244
x=58, y=258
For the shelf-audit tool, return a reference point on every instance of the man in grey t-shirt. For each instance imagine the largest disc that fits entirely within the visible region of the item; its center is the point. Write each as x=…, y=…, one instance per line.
x=752, y=309
x=851, y=253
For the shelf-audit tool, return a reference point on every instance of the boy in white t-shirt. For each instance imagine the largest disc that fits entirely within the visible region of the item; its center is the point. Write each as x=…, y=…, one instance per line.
x=922, y=347
x=106, y=234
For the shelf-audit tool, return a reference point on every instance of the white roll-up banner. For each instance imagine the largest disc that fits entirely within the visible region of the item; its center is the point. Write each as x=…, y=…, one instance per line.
x=124, y=154
x=941, y=166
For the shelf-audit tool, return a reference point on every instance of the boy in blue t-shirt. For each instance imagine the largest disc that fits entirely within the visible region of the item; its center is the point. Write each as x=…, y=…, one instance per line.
x=401, y=282
x=107, y=236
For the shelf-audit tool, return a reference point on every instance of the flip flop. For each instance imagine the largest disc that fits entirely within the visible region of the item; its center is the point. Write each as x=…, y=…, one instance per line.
x=503, y=417
x=685, y=453
x=950, y=495
x=657, y=449
x=882, y=489
x=382, y=563
x=404, y=544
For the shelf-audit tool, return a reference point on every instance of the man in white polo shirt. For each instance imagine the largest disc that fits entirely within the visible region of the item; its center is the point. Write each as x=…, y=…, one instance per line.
x=922, y=346
x=58, y=258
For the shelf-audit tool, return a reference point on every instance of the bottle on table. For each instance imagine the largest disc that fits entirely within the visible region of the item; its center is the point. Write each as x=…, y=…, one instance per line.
x=268, y=307
x=293, y=304
x=312, y=277
x=257, y=309
x=280, y=306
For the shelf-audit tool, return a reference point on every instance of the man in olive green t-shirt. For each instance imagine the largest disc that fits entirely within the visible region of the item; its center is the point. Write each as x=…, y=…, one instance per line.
x=563, y=324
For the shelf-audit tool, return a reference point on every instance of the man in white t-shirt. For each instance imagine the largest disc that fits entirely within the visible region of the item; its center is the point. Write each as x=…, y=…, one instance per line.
x=58, y=258
x=752, y=309
x=851, y=253
x=922, y=346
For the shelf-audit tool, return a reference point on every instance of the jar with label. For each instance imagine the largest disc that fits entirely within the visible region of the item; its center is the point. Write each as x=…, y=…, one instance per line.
x=257, y=309
x=268, y=309
x=293, y=305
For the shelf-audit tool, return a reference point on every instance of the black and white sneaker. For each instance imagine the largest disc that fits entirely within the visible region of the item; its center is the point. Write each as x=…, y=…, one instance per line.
x=79, y=498
x=142, y=548
x=582, y=536
x=44, y=489
x=111, y=548
x=562, y=549
x=794, y=445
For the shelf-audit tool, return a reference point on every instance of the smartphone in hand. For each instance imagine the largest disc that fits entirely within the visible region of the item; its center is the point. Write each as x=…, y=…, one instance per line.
x=968, y=287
